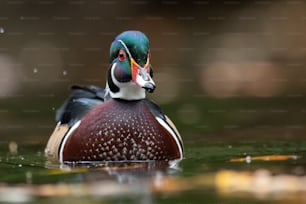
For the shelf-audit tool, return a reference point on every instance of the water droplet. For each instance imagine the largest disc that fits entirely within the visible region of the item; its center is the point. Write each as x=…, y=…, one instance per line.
x=19, y=165
x=248, y=159
x=65, y=72
x=35, y=70
x=2, y=30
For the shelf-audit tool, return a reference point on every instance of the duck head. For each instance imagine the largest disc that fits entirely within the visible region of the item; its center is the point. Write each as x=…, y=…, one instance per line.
x=130, y=74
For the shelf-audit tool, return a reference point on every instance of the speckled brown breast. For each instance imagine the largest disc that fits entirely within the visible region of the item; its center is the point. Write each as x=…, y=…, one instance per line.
x=119, y=130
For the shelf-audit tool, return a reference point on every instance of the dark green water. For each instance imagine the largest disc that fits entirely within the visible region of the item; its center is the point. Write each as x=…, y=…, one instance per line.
x=28, y=169
x=218, y=131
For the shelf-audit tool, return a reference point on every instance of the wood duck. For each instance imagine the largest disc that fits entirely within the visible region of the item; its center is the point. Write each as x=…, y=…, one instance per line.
x=117, y=123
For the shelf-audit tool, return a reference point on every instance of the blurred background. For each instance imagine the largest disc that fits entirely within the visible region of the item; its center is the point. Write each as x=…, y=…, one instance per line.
x=223, y=69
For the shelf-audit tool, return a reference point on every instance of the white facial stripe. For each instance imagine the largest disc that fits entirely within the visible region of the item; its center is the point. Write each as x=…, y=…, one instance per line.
x=75, y=126
x=174, y=135
x=126, y=48
x=128, y=51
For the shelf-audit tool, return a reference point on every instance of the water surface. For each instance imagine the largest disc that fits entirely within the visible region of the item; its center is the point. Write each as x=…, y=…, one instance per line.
x=202, y=177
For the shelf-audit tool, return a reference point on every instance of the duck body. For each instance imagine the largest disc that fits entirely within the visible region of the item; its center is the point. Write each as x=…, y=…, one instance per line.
x=119, y=130
x=116, y=123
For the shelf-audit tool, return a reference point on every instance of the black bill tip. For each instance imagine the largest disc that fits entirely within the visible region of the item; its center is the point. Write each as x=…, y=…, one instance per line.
x=149, y=87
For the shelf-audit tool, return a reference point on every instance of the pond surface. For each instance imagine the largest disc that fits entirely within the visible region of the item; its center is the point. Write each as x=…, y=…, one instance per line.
x=214, y=171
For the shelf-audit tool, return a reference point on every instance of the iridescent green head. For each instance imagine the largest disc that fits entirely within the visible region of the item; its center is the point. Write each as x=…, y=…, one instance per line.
x=130, y=73
x=137, y=44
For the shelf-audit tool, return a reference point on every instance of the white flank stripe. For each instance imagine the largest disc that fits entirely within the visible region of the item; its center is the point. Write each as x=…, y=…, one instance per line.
x=176, y=138
x=77, y=124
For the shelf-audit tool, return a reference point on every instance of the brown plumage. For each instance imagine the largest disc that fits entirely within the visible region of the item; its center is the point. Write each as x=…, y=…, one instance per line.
x=120, y=130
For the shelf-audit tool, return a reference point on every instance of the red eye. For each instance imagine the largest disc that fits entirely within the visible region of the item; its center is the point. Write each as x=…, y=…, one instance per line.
x=122, y=55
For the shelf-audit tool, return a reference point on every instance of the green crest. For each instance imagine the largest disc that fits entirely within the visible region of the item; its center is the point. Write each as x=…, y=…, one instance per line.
x=137, y=44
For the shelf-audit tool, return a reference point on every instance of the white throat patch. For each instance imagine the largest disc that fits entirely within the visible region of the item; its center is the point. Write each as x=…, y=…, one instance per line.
x=127, y=90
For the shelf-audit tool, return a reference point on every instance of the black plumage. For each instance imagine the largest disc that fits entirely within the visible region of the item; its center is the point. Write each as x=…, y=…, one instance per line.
x=80, y=102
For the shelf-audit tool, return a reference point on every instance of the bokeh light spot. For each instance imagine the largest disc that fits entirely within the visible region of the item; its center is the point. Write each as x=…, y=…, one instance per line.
x=9, y=80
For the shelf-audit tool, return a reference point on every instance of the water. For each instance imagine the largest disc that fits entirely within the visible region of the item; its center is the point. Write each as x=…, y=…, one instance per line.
x=232, y=155
x=27, y=177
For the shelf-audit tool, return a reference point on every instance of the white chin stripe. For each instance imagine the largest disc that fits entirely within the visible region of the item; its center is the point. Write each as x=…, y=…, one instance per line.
x=75, y=126
x=127, y=90
x=174, y=135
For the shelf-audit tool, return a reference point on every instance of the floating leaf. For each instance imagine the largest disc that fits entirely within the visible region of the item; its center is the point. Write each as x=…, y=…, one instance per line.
x=249, y=158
